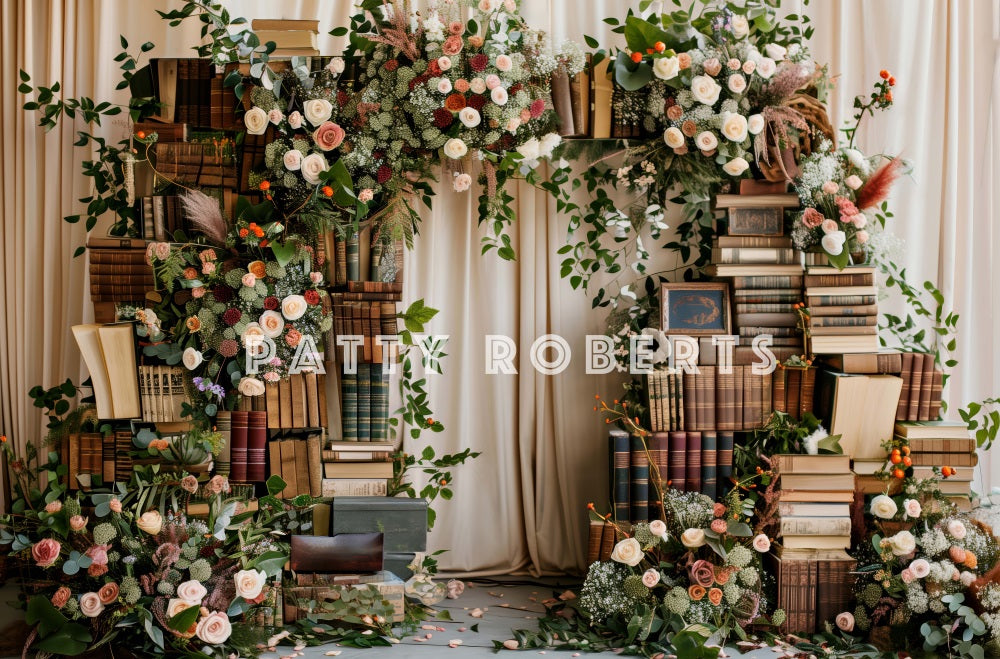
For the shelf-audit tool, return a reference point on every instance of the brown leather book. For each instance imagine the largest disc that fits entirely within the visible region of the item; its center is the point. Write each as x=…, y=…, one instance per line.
x=692, y=470
x=937, y=384
x=312, y=399
x=302, y=476
x=595, y=531
x=274, y=460
x=285, y=403
x=807, y=389
x=344, y=553
x=608, y=539
x=659, y=443
x=916, y=384
x=256, y=446
x=321, y=389
x=906, y=366
x=297, y=385
x=778, y=395
x=688, y=385
x=677, y=461
x=272, y=401
x=707, y=379
x=726, y=402
x=239, y=436
x=926, y=387
x=793, y=390
x=562, y=103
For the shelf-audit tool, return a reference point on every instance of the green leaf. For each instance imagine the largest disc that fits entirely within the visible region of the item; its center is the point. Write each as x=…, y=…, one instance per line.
x=183, y=620
x=632, y=76
x=271, y=562
x=640, y=35
x=283, y=251
x=275, y=485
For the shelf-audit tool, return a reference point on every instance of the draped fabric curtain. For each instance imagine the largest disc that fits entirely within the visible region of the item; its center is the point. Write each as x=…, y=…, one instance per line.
x=522, y=504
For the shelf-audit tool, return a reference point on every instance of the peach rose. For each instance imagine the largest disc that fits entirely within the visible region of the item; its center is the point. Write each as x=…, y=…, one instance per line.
x=845, y=621
x=214, y=628
x=696, y=592
x=328, y=136
x=108, y=592
x=91, y=605
x=150, y=522
x=53, y=506
x=684, y=60
x=45, y=552
x=829, y=226
x=812, y=218
x=650, y=577
x=712, y=66
x=715, y=596
x=250, y=583
x=77, y=522
x=61, y=596
x=452, y=45
x=271, y=323
x=192, y=592
x=115, y=504
x=761, y=543
x=189, y=483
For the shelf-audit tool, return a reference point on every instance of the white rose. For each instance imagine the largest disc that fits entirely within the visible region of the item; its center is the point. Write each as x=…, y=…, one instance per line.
x=91, y=605
x=853, y=182
x=271, y=323
x=455, y=148
x=903, y=543
x=833, y=244
x=651, y=577
x=293, y=307
x=547, y=144
x=912, y=508
x=336, y=66
x=444, y=85
x=673, y=137
x=775, y=51
x=706, y=140
x=275, y=116
x=966, y=578
x=477, y=85
x=740, y=26
x=499, y=95
x=693, y=538
x=734, y=126
x=317, y=110
x=513, y=124
x=150, y=522
x=462, y=182
x=666, y=68
x=192, y=592
x=192, y=358
x=292, y=160
x=214, y=628
x=444, y=62
x=755, y=123
x=249, y=583
x=883, y=507
x=251, y=387
x=736, y=83
x=705, y=89
x=658, y=528
x=766, y=67
x=736, y=166
x=628, y=551
x=295, y=120
x=253, y=336
x=510, y=5
x=312, y=166
x=530, y=149
x=957, y=530
x=470, y=117
x=255, y=120
x=504, y=63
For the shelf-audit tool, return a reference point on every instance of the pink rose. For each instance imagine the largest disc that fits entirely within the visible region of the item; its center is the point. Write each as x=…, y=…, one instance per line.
x=77, y=522
x=189, y=483
x=761, y=543
x=91, y=605
x=452, y=45
x=444, y=63
x=749, y=66
x=295, y=120
x=115, y=504
x=462, y=182
x=733, y=64
x=208, y=268
x=650, y=578
x=718, y=510
x=249, y=280
x=712, y=66
x=275, y=116
x=98, y=554
x=53, y=506
x=492, y=81
x=196, y=292
x=328, y=136
x=61, y=596
x=702, y=573
x=719, y=525
x=920, y=568
x=45, y=552
x=214, y=628
x=860, y=220
x=366, y=195
x=207, y=255
x=829, y=226
x=812, y=218
x=830, y=187
x=853, y=182
x=907, y=575
x=271, y=376
x=456, y=27
x=162, y=251
x=217, y=485
x=504, y=63
x=845, y=621
x=461, y=85
x=316, y=277
x=862, y=237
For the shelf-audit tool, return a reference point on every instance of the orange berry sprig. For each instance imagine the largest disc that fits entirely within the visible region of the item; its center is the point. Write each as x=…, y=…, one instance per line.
x=619, y=412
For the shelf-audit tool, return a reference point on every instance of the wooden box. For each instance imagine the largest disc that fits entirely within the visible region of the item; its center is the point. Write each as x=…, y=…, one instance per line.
x=402, y=520
x=296, y=598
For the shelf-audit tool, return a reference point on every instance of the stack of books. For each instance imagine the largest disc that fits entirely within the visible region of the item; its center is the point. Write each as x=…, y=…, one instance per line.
x=814, y=586
x=943, y=444
x=297, y=401
x=292, y=38
x=356, y=469
x=793, y=390
x=571, y=101
x=815, y=491
x=665, y=395
x=843, y=309
x=920, y=399
x=297, y=462
x=119, y=274
x=715, y=400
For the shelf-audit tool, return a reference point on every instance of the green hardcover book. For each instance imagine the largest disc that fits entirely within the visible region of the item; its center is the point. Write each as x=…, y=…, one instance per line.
x=353, y=258
x=376, y=258
x=618, y=444
x=709, y=471
x=349, y=405
x=724, y=459
x=364, y=402
x=639, y=473
x=380, y=402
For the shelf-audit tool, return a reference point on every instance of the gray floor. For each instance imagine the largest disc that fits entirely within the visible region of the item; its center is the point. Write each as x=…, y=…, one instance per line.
x=501, y=608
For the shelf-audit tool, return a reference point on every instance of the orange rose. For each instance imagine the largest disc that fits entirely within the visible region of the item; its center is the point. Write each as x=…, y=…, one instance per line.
x=108, y=592
x=971, y=561
x=715, y=596
x=193, y=324
x=258, y=269
x=454, y=102
x=159, y=444
x=721, y=575
x=696, y=592
x=689, y=128
x=190, y=273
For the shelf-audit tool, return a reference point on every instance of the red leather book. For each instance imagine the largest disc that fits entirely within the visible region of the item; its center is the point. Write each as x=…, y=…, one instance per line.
x=693, y=462
x=257, y=447
x=239, y=437
x=677, y=460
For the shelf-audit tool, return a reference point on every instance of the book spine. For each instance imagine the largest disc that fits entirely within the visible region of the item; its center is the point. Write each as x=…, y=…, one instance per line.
x=256, y=446
x=595, y=531
x=843, y=279
x=793, y=388
x=223, y=425
x=839, y=300
x=725, y=456
x=936, y=387
x=620, y=460
x=926, y=387
x=692, y=477
x=652, y=402
x=315, y=464
x=349, y=405
x=240, y=437
x=843, y=321
x=709, y=422
x=352, y=257
x=688, y=384
x=676, y=458
x=807, y=389
x=364, y=402
x=659, y=450
x=726, y=404
x=768, y=281
x=815, y=526
x=709, y=468
x=380, y=402
x=856, y=310
x=608, y=539
x=916, y=385
x=677, y=377
x=906, y=365
x=354, y=487
x=639, y=480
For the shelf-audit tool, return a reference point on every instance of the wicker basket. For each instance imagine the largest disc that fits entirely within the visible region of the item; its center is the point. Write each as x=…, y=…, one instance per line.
x=782, y=165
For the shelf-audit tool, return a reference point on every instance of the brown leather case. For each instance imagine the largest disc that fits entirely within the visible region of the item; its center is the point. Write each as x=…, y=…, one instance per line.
x=346, y=553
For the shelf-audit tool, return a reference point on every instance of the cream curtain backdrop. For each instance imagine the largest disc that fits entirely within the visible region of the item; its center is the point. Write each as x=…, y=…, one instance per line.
x=521, y=506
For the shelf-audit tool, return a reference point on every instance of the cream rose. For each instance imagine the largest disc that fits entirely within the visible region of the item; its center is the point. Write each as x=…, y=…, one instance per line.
x=477, y=85
x=957, y=530
x=192, y=358
x=833, y=243
x=739, y=26
x=734, y=126
x=255, y=120
x=150, y=522
x=455, y=148
x=705, y=90
x=504, y=63
x=920, y=568
x=295, y=120
x=443, y=85
x=736, y=166
x=845, y=621
x=903, y=543
x=912, y=508
x=530, y=149
x=444, y=62
x=775, y=51
x=761, y=543
x=658, y=528
x=853, y=182
x=628, y=551
x=293, y=307
x=462, y=182
x=650, y=578
x=673, y=137
x=192, y=592
x=766, y=67
x=292, y=160
x=736, y=83
x=253, y=336
x=336, y=65
x=883, y=507
x=249, y=386
x=706, y=140
x=312, y=166
x=693, y=538
x=755, y=124
x=317, y=110
x=275, y=116
x=250, y=583
x=470, y=117
x=214, y=628
x=499, y=95
x=666, y=68
x=77, y=522
x=271, y=323
x=91, y=605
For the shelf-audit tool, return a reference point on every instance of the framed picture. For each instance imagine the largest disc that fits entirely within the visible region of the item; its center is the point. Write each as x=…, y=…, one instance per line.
x=695, y=308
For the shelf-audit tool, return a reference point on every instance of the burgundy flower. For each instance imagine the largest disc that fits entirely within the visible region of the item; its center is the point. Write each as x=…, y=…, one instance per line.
x=311, y=296
x=222, y=293
x=442, y=118
x=384, y=173
x=537, y=107
x=342, y=98
x=477, y=101
x=271, y=303
x=232, y=316
x=479, y=62
x=515, y=88
x=702, y=573
x=378, y=154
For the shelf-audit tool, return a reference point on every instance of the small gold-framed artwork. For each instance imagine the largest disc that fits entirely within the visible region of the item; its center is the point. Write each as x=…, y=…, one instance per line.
x=694, y=308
